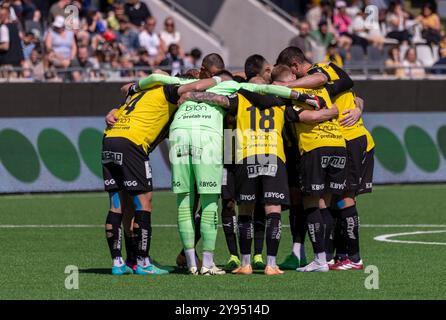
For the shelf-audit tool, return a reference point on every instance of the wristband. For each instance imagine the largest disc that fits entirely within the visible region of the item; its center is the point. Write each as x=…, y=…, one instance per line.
x=217, y=79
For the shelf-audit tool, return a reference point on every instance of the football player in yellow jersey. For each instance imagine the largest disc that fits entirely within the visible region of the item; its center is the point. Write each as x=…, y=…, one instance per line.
x=321, y=169
x=260, y=174
x=360, y=149
x=257, y=70
x=141, y=124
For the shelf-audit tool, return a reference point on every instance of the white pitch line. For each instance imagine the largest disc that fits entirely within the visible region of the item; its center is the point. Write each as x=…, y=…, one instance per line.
x=386, y=237
x=12, y=226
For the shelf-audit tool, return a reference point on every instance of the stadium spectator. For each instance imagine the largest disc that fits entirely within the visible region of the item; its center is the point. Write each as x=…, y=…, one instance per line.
x=364, y=34
x=173, y=59
x=57, y=9
x=36, y=66
x=322, y=36
x=150, y=40
x=137, y=11
x=169, y=34
x=4, y=31
x=61, y=42
x=381, y=4
x=11, y=52
x=127, y=36
x=317, y=13
x=439, y=67
x=82, y=65
x=192, y=59
x=34, y=24
x=29, y=43
x=396, y=22
x=96, y=25
x=341, y=22
x=303, y=41
x=413, y=66
x=430, y=22
x=394, y=65
x=142, y=63
x=334, y=56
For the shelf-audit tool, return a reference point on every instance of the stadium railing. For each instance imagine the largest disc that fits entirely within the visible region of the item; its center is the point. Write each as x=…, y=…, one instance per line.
x=359, y=72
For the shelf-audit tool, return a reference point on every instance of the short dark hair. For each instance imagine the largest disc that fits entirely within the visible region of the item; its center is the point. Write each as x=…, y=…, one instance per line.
x=239, y=79
x=254, y=65
x=213, y=60
x=196, y=53
x=290, y=55
x=224, y=72
x=279, y=72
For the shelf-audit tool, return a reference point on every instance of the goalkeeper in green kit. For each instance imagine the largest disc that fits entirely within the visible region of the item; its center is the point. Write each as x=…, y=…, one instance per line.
x=196, y=155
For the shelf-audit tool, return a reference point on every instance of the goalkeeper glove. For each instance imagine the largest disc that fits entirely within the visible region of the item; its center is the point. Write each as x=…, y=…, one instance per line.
x=315, y=101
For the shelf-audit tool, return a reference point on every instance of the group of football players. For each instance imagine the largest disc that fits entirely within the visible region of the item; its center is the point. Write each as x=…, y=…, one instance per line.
x=288, y=136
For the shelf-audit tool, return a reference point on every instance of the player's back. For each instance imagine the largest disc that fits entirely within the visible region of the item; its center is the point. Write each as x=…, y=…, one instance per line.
x=259, y=131
x=316, y=135
x=343, y=99
x=144, y=118
x=203, y=116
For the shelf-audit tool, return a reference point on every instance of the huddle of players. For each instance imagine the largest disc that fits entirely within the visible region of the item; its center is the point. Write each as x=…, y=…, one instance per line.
x=258, y=177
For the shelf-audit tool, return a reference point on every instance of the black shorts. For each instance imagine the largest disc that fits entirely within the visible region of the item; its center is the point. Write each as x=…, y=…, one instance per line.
x=322, y=170
x=366, y=182
x=292, y=167
x=359, y=166
x=262, y=183
x=125, y=166
x=228, y=182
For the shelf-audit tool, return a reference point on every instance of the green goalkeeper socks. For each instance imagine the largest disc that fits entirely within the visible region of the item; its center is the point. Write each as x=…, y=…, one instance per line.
x=186, y=220
x=209, y=221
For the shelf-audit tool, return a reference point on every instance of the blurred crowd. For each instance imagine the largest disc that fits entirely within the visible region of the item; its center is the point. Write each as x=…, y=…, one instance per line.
x=66, y=40
x=79, y=40
x=372, y=32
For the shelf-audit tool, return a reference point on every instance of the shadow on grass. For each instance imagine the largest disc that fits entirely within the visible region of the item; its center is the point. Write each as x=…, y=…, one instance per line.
x=107, y=271
x=96, y=271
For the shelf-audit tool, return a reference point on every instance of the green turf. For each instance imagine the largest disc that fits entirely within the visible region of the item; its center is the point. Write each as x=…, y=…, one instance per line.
x=33, y=260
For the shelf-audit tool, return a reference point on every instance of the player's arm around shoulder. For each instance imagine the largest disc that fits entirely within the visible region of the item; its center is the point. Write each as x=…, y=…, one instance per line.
x=200, y=85
x=310, y=81
x=205, y=97
x=351, y=116
x=299, y=114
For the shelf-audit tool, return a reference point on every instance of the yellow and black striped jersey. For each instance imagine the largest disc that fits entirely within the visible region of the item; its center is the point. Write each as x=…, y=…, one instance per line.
x=339, y=86
x=311, y=136
x=145, y=117
x=260, y=120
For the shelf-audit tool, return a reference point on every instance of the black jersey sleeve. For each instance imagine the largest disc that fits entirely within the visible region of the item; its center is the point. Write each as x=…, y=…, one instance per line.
x=171, y=93
x=233, y=104
x=344, y=83
x=292, y=113
x=263, y=101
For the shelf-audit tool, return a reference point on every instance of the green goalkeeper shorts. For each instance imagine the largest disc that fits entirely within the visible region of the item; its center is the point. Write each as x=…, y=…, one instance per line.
x=197, y=159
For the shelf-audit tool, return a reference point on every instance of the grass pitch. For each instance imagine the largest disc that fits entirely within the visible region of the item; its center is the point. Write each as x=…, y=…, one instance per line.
x=41, y=234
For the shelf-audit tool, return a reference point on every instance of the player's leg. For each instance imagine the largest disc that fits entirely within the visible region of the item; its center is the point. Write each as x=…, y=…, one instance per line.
x=112, y=174
x=229, y=217
x=312, y=179
x=329, y=225
x=259, y=235
x=273, y=235
x=298, y=226
x=246, y=191
x=128, y=212
x=275, y=194
x=181, y=258
x=207, y=156
x=246, y=230
x=348, y=215
x=183, y=186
